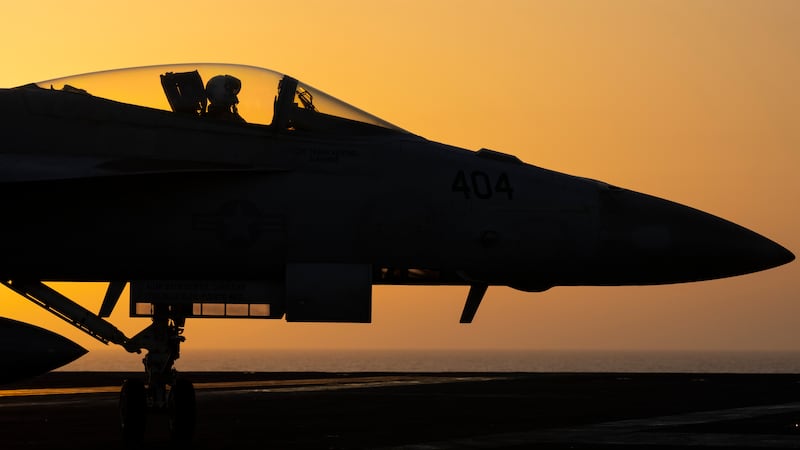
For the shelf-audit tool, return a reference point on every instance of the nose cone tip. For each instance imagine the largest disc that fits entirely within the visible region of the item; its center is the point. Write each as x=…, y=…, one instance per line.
x=655, y=241
x=761, y=252
x=783, y=256
x=739, y=251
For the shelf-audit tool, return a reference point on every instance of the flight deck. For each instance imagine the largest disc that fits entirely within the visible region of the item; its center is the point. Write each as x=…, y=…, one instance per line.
x=416, y=411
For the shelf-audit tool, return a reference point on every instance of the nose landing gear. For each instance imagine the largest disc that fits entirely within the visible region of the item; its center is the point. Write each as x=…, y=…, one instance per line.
x=164, y=392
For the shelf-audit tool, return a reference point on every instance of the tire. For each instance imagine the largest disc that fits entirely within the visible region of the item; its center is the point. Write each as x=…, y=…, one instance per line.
x=182, y=411
x=132, y=410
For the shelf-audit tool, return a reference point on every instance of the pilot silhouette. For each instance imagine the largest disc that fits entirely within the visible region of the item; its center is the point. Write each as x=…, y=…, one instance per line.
x=222, y=91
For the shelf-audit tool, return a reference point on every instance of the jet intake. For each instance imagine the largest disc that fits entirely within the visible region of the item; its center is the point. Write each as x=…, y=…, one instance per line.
x=246, y=299
x=321, y=292
x=311, y=292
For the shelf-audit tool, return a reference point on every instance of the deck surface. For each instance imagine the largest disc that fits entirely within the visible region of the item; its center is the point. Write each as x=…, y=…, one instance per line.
x=422, y=411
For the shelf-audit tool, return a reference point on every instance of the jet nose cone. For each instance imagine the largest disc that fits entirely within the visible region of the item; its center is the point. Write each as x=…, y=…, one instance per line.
x=783, y=256
x=767, y=254
x=735, y=250
x=657, y=241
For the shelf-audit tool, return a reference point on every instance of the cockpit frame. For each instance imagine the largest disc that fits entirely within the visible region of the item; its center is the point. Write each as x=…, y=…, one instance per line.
x=295, y=107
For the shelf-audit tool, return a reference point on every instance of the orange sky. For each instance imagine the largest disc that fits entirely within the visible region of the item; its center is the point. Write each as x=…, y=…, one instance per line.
x=696, y=101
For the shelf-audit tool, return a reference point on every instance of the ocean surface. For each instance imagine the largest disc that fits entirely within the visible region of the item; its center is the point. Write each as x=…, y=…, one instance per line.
x=451, y=361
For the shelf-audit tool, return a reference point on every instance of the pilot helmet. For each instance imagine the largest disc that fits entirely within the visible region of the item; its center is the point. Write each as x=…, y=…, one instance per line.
x=223, y=89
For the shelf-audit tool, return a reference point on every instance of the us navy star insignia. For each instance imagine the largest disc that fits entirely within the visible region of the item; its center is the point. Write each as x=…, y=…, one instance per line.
x=238, y=223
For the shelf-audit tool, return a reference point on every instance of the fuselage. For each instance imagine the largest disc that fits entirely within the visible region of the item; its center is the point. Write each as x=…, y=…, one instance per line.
x=99, y=190
x=205, y=216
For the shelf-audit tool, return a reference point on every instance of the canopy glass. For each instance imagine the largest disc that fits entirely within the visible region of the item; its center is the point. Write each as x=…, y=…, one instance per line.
x=181, y=88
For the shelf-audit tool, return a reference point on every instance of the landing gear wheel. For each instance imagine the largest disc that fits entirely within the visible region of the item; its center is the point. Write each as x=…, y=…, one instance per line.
x=132, y=410
x=182, y=411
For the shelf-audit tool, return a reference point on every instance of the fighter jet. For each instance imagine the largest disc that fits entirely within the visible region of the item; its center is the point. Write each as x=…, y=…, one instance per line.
x=239, y=192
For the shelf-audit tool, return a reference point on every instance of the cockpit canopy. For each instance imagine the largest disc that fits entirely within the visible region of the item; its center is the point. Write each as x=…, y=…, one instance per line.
x=265, y=97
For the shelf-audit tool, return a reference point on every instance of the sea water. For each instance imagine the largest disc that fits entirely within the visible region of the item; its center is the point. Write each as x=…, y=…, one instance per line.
x=385, y=360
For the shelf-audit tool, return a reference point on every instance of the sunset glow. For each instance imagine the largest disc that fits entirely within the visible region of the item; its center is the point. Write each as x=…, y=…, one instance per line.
x=697, y=102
